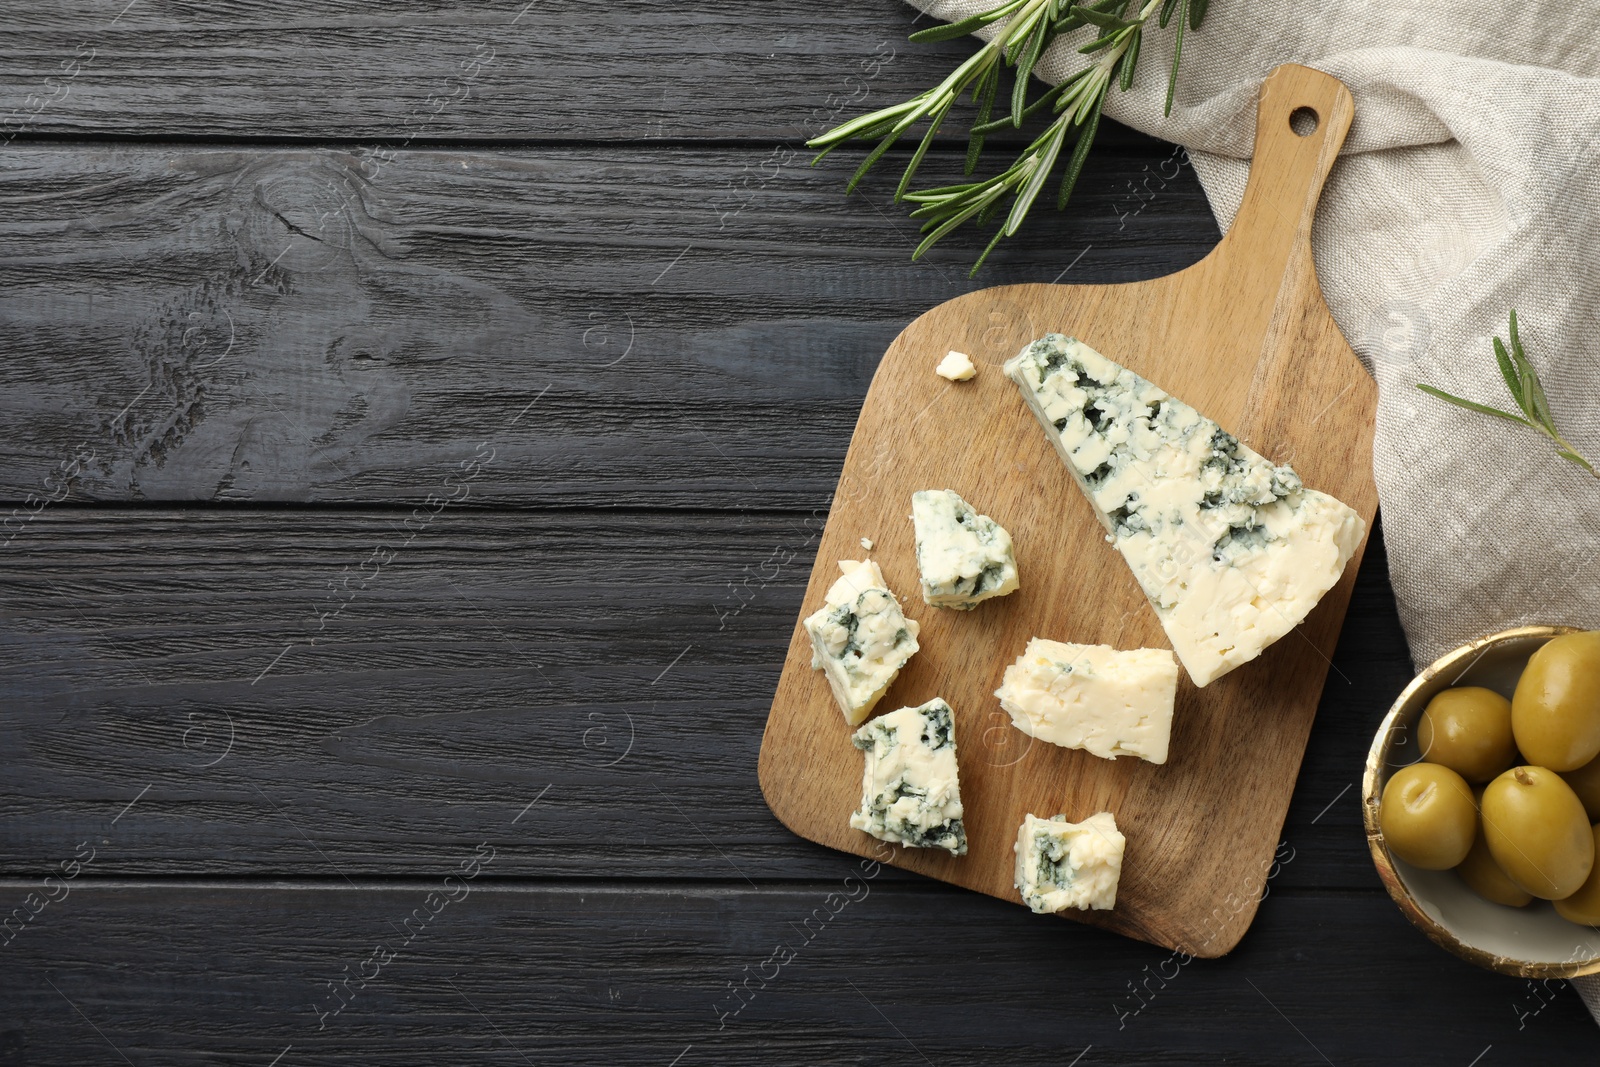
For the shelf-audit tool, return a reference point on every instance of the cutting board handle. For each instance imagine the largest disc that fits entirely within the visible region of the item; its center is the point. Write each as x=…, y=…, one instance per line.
x=1271, y=235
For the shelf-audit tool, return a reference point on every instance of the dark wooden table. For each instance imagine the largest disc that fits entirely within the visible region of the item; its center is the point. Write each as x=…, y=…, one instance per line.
x=416, y=425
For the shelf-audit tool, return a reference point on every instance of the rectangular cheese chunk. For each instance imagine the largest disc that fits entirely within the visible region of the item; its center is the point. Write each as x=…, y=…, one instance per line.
x=860, y=639
x=909, y=789
x=1063, y=864
x=1232, y=551
x=1093, y=697
x=964, y=558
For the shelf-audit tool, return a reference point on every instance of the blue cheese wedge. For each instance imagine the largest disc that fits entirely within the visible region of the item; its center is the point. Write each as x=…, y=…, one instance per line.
x=1232, y=551
x=1063, y=864
x=860, y=639
x=909, y=791
x=964, y=558
x=1093, y=697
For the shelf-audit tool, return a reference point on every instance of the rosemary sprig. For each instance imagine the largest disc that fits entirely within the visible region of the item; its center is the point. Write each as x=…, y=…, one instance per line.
x=1030, y=28
x=1022, y=39
x=1522, y=381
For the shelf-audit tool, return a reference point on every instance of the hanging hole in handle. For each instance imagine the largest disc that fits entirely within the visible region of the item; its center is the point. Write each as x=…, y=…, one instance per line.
x=1303, y=121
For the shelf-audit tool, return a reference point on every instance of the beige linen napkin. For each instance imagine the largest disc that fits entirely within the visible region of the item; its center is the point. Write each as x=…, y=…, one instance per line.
x=1469, y=185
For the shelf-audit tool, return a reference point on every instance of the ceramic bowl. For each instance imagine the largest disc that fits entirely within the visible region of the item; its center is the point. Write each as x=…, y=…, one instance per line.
x=1531, y=942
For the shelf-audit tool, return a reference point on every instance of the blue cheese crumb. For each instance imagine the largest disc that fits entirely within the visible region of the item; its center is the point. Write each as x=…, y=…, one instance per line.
x=963, y=558
x=860, y=638
x=910, y=794
x=1062, y=864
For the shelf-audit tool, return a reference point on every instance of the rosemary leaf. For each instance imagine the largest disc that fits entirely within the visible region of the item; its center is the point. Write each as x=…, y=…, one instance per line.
x=1104, y=19
x=942, y=193
x=1070, y=21
x=866, y=125
x=1080, y=155
x=1129, y=58
x=1089, y=93
x=1041, y=171
x=986, y=250
x=1568, y=454
x=970, y=24
x=1177, y=54
x=1100, y=42
x=1528, y=378
x=866, y=164
x=916, y=157
x=1019, y=92
x=1509, y=372
x=1470, y=405
x=1540, y=404
x=985, y=98
x=1565, y=450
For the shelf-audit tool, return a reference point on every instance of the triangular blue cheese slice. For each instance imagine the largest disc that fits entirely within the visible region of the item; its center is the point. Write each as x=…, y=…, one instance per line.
x=1232, y=551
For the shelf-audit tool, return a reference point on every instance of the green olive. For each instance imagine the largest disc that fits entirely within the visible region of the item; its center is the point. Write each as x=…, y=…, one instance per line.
x=1583, y=907
x=1484, y=876
x=1585, y=781
x=1538, y=832
x=1468, y=730
x=1427, y=816
x=1555, y=712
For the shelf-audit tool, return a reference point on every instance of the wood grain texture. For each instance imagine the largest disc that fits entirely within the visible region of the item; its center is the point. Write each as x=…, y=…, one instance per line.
x=424, y=70
x=589, y=973
x=393, y=309
x=625, y=660
x=224, y=324
x=1245, y=337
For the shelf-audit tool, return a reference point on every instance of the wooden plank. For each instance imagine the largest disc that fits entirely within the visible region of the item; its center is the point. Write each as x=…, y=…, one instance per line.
x=1245, y=337
x=418, y=70
x=466, y=662
x=242, y=325
x=825, y=973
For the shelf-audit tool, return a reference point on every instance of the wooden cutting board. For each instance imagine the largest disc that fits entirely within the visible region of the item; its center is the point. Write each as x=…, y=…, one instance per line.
x=1244, y=336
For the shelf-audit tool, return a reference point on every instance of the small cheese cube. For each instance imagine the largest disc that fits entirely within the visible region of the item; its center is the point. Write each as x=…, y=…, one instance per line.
x=860, y=639
x=956, y=366
x=1093, y=697
x=964, y=558
x=909, y=792
x=1063, y=864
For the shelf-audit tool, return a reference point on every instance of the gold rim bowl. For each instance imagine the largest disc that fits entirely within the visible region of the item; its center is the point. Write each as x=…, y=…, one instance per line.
x=1531, y=942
